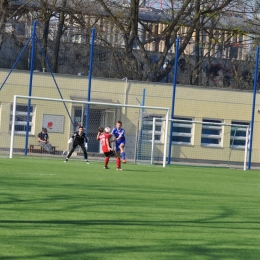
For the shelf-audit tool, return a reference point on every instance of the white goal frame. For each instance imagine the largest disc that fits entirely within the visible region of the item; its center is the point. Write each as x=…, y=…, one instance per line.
x=200, y=122
x=89, y=103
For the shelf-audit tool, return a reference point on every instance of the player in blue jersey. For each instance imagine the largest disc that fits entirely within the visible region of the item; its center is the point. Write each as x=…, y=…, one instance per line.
x=119, y=134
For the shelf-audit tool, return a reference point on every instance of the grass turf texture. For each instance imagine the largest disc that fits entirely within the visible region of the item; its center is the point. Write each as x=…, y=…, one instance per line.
x=53, y=210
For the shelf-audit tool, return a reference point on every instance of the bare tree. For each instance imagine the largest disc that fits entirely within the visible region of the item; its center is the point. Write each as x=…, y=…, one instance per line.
x=59, y=33
x=72, y=18
x=128, y=22
x=45, y=10
x=128, y=43
x=3, y=19
x=7, y=12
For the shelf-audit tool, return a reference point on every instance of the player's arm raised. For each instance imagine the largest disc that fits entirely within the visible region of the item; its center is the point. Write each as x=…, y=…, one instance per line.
x=100, y=130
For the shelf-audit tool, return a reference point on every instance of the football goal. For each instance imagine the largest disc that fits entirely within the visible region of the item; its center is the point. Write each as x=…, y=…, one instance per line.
x=61, y=118
x=206, y=142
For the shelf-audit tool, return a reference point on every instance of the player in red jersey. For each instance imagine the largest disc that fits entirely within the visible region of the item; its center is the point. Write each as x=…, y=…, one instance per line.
x=104, y=137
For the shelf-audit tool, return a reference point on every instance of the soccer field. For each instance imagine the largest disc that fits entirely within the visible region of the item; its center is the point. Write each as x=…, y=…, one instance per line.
x=53, y=210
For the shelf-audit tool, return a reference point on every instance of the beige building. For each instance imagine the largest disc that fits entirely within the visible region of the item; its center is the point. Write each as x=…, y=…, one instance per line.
x=191, y=141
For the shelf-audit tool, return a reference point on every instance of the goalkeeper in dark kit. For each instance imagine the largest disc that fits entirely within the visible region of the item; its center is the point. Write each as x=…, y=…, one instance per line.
x=79, y=138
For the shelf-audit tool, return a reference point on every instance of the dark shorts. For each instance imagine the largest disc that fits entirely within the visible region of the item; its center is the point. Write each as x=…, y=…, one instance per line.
x=109, y=154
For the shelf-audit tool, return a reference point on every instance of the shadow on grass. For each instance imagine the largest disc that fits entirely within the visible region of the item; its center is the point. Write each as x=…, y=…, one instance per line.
x=164, y=249
x=119, y=222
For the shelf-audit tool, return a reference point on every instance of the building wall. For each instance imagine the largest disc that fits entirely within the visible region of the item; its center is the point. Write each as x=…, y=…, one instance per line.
x=198, y=103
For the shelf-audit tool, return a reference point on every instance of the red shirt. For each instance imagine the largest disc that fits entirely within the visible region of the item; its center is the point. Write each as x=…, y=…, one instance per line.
x=103, y=137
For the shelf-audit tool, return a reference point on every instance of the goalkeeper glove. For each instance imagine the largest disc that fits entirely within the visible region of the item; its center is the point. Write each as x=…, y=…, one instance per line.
x=70, y=141
x=86, y=146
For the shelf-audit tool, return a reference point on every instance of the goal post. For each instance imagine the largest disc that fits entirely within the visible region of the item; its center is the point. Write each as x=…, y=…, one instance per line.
x=206, y=143
x=50, y=113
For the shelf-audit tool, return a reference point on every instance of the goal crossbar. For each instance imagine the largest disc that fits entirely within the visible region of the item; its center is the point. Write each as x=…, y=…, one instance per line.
x=89, y=102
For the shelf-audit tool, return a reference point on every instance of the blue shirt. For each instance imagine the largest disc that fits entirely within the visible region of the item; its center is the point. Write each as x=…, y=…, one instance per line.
x=119, y=133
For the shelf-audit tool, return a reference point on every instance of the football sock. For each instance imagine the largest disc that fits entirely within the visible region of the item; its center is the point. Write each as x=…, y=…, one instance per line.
x=123, y=155
x=106, y=161
x=118, y=161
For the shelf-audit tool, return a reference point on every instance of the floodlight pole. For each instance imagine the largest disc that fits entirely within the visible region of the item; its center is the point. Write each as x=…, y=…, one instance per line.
x=90, y=77
x=253, y=109
x=30, y=88
x=173, y=95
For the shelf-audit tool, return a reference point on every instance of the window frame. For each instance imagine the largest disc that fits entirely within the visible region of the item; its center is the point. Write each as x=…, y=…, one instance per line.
x=213, y=124
x=22, y=123
x=149, y=132
x=183, y=125
x=239, y=138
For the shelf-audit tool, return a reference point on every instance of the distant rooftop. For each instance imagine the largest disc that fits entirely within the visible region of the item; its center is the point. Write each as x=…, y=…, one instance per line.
x=150, y=14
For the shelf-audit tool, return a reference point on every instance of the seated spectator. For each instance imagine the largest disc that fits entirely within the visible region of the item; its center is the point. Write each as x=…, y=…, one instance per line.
x=43, y=139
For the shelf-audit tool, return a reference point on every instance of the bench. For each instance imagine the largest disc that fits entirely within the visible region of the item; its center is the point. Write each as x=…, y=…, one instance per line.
x=32, y=149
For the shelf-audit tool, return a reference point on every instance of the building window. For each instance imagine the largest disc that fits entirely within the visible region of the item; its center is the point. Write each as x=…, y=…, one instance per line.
x=182, y=131
x=147, y=129
x=21, y=119
x=234, y=48
x=219, y=51
x=211, y=133
x=240, y=47
x=238, y=134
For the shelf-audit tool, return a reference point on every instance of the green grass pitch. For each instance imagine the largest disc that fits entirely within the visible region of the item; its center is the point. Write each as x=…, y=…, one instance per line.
x=53, y=210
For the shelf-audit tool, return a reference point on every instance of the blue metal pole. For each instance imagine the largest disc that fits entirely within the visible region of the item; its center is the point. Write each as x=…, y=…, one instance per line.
x=25, y=46
x=253, y=108
x=90, y=77
x=30, y=88
x=143, y=99
x=173, y=95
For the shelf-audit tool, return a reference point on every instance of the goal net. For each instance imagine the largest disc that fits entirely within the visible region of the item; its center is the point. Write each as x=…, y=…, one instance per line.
x=205, y=143
x=26, y=117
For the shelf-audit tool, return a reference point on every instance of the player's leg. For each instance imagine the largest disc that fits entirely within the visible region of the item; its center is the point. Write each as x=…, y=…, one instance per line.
x=122, y=151
x=106, y=160
x=71, y=151
x=107, y=157
x=85, y=152
x=118, y=160
x=118, y=164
